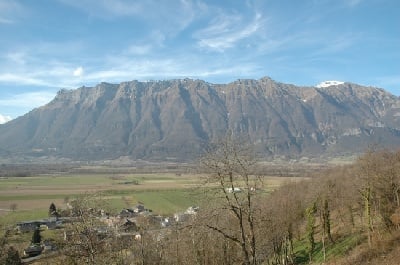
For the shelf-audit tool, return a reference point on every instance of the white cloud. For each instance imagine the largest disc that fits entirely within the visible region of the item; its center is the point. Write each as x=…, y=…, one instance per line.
x=78, y=72
x=30, y=70
x=22, y=79
x=4, y=119
x=16, y=57
x=19, y=104
x=169, y=17
x=125, y=69
x=226, y=30
x=28, y=100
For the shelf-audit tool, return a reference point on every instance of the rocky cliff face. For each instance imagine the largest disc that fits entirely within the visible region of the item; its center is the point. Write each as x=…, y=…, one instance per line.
x=174, y=120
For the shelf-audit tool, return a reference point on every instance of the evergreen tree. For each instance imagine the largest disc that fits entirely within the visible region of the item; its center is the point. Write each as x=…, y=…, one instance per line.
x=36, y=237
x=52, y=210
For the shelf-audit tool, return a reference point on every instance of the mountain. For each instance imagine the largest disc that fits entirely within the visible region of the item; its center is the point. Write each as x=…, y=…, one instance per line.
x=176, y=119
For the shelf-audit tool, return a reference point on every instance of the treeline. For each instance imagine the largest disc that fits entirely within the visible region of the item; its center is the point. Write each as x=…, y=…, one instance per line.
x=26, y=170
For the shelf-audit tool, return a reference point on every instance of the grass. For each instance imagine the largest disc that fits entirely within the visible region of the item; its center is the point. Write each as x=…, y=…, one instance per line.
x=161, y=201
x=164, y=193
x=33, y=197
x=166, y=201
x=337, y=249
x=19, y=216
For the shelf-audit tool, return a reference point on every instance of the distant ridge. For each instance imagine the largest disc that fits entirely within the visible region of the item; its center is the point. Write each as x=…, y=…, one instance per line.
x=173, y=120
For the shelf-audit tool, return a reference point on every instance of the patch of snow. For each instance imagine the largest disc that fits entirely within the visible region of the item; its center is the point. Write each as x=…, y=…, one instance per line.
x=329, y=83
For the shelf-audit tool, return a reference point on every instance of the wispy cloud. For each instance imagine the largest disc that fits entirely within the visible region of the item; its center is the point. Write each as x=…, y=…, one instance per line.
x=40, y=65
x=33, y=99
x=226, y=30
x=123, y=69
x=116, y=68
x=21, y=79
x=14, y=105
x=168, y=16
x=16, y=57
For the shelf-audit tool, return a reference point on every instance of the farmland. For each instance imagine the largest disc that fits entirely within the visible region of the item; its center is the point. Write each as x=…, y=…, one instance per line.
x=29, y=197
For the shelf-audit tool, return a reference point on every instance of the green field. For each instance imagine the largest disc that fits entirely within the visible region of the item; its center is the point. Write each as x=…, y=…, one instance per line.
x=26, y=198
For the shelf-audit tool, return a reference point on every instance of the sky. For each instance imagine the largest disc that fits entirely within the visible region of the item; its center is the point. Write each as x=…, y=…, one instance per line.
x=48, y=45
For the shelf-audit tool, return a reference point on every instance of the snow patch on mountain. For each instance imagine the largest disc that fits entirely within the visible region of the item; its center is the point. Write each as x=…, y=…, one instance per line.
x=329, y=83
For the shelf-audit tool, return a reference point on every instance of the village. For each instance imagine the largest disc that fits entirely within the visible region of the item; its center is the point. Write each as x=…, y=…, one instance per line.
x=128, y=223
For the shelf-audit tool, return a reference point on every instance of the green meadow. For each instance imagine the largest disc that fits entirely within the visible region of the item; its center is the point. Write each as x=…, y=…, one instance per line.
x=26, y=198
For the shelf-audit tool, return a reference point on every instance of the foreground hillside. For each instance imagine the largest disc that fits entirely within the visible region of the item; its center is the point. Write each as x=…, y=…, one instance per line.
x=175, y=119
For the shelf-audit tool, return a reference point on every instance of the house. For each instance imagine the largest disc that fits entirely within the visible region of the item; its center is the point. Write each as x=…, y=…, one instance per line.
x=33, y=250
x=165, y=222
x=49, y=245
x=181, y=217
x=192, y=210
x=51, y=224
x=128, y=226
x=127, y=213
x=28, y=226
x=233, y=190
x=139, y=208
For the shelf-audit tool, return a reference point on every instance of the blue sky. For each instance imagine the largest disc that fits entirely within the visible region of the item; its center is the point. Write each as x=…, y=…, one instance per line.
x=47, y=45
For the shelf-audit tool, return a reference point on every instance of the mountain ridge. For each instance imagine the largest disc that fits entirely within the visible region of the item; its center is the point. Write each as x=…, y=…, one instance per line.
x=176, y=119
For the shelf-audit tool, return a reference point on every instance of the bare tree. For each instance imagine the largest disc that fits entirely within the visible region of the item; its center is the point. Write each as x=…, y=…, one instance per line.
x=282, y=216
x=86, y=240
x=8, y=254
x=233, y=186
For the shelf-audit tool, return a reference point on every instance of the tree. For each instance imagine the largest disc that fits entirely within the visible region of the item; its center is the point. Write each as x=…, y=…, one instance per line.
x=36, y=237
x=86, y=239
x=310, y=215
x=52, y=210
x=13, y=257
x=386, y=184
x=232, y=212
x=282, y=218
x=367, y=166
